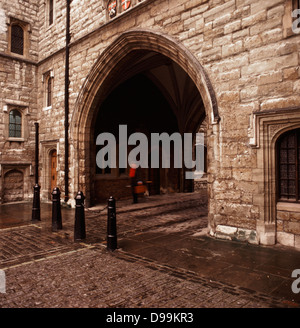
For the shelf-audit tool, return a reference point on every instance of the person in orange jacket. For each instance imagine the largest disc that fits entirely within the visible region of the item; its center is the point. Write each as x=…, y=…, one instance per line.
x=135, y=175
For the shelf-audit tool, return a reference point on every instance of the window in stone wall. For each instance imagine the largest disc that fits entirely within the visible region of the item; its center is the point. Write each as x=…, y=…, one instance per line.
x=15, y=124
x=288, y=168
x=49, y=92
x=17, y=39
x=50, y=12
x=48, y=89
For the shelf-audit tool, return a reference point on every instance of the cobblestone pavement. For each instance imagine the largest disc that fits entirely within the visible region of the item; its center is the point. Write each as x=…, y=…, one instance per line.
x=157, y=265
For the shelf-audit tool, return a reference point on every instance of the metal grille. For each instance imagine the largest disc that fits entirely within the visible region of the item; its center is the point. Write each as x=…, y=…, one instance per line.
x=289, y=166
x=17, y=39
x=15, y=124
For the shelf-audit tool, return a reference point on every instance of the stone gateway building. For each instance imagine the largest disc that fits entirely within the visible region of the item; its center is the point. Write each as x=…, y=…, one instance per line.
x=229, y=68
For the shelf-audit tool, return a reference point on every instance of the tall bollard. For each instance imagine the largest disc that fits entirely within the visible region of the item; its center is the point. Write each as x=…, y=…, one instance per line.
x=111, y=225
x=79, y=229
x=56, y=210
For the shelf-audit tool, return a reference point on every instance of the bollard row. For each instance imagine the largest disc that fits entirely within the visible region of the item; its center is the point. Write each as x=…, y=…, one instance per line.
x=79, y=226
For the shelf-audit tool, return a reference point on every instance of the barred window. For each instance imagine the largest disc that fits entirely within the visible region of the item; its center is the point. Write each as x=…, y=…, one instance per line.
x=288, y=158
x=15, y=124
x=17, y=40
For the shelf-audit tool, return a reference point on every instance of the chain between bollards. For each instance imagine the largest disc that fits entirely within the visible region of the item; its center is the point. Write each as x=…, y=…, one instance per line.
x=111, y=225
x=56, y=210
x=79, y=228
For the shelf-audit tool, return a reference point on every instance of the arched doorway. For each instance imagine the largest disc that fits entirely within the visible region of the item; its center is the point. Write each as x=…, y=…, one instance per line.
x=174, y=71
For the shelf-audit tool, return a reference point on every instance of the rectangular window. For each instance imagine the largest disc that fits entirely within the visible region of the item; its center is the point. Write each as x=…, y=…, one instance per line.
x=15, y=124
x=50, y=11
x=17, y=39
x=289, y=166
x=49, y=92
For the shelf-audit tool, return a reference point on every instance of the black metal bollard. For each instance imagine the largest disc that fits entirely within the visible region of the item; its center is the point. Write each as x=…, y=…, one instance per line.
x=111, y=225
x=56, y=210
x=36, y=208
x=79, y=229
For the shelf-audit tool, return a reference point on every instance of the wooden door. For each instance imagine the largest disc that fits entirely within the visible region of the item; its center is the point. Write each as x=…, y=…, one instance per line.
x=53, y=172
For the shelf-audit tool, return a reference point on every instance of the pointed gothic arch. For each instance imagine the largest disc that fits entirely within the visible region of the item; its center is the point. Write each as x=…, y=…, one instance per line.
x=105, y=72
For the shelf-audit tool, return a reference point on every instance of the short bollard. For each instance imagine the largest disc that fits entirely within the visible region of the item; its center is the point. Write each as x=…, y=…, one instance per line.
x=36, y=208
x=111, y=225
x=56, y=210
x=79, y=229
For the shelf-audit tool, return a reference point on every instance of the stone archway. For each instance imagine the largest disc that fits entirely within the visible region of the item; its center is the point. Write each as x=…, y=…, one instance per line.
x=107, y=69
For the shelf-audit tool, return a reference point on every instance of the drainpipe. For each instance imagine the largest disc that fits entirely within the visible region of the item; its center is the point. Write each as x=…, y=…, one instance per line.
x=67, y=82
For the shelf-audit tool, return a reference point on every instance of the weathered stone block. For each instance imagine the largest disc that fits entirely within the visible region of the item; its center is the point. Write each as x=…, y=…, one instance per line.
x=286, y=239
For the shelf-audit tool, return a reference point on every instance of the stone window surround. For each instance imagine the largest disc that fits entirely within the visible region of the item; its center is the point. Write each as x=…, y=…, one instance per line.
x=27, y=30
x=47, y=12
x=23, y=109
x=45, y=78
x=267, y=127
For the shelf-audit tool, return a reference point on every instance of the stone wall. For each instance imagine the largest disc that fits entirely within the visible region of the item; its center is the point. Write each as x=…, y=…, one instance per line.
x=251, y=58
x=288, y=224
x=18, y=90
x=247, y=50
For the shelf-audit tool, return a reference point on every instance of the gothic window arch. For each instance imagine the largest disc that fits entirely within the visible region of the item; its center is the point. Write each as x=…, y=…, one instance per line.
x=288, y=166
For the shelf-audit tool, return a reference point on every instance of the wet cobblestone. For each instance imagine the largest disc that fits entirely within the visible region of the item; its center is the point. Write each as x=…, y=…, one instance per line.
x=159, y=263
x=92, y=277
